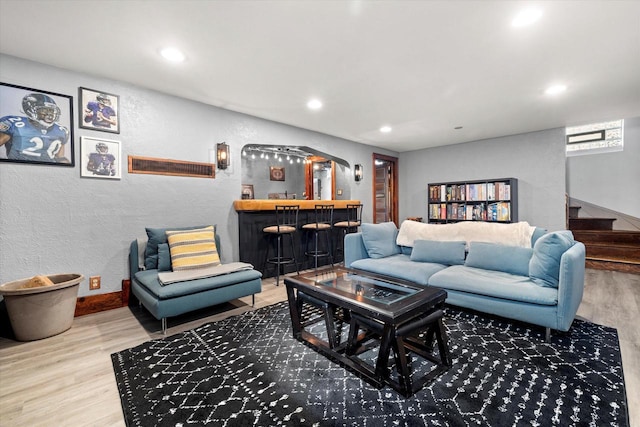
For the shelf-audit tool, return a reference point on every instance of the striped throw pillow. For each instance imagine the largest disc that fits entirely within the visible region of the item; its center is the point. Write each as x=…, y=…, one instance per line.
x=192, y=249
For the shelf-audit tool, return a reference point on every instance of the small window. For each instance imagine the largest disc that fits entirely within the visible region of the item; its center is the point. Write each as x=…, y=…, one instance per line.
x=595, y=138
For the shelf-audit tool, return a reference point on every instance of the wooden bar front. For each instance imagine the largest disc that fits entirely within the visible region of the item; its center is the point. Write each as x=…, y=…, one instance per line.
x=254, y=215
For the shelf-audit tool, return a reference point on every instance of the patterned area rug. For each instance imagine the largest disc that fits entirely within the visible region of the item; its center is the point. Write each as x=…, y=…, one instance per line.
x=248, y=370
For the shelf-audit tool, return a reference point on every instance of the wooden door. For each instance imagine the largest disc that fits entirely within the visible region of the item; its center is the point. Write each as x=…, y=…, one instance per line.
x=385, y=189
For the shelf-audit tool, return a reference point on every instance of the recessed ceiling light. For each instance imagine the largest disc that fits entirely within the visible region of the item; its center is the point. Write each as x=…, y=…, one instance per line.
x=314, y=104
x=555, y=89
x=526, y=17
x=172, y=54
x=385, y=129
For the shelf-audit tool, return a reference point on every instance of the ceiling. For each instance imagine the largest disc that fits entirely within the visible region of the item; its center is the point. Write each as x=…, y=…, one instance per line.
x=420, y=67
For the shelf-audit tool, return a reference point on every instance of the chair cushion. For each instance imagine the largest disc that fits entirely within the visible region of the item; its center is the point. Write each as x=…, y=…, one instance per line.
x=380, y=239
x=192, y=249
x=347, y=224
x=318, y=226
x=149, y=279
x=440, y=252
x=494, y=256
x=282, y=229
x=544, y=267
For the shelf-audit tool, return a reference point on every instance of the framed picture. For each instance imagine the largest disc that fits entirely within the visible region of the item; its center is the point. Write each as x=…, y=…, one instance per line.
x=276, y=173
x=99, y=110
x=247, y=191
x=36, y=126
x=100, y=158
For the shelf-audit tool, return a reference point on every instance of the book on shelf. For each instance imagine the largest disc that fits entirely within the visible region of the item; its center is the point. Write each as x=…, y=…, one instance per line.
x=504, y=211
x=503, y=191
x=468, y=212
x=499, y=211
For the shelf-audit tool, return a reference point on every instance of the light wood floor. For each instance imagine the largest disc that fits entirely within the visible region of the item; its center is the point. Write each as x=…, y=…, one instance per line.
x=68, y=380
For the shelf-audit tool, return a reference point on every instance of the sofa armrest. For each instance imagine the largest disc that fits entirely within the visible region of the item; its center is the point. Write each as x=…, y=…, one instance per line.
x=134, y=262
x=354, y=248
x=571, y=285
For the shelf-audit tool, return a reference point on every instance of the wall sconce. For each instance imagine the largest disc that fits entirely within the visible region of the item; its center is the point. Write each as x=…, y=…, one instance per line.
x=357, y=172
x=222, y=155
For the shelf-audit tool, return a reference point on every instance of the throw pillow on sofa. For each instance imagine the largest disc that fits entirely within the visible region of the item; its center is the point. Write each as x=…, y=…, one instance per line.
x=155, y=237
x=164, y=257
x=193, y=249
x=497, y=257
x=380, y=239
x=544, y=267
x=440, y=252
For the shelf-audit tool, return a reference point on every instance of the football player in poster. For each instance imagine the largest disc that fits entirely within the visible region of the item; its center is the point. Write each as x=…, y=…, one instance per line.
x=37, y=137
x=101, y=162
x=99, y=112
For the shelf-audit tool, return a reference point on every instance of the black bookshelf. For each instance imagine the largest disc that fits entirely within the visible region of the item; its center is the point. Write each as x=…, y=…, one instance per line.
x=490, y=200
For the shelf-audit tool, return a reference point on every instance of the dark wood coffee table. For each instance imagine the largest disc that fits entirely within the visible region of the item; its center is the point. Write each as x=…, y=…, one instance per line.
x=383, y=307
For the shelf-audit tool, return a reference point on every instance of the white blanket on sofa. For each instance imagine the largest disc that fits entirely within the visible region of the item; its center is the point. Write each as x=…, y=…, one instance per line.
x=516, y=234
x=168, y=277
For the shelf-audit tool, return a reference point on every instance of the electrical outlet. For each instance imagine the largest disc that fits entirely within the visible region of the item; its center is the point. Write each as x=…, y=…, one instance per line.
x=94, y=283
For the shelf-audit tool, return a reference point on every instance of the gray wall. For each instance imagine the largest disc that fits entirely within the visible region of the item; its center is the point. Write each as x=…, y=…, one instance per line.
x=610, y=180
x=53, y=221
x=536, y=159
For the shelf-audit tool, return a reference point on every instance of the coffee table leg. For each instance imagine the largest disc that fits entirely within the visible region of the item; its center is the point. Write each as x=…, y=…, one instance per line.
x=293, y=312
x=443, y=346
x=382, y=370
x=402, y=365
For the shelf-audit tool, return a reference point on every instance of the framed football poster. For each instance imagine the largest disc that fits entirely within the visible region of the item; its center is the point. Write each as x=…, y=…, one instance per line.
x=36, y=126
x=99, y=110
x=100, y=158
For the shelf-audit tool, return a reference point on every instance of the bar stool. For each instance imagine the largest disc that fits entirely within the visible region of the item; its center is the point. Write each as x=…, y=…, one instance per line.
x=354, y=219
x=287, y=225
x=323, y=224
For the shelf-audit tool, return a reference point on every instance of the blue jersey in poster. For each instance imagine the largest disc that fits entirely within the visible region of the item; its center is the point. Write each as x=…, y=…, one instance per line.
x=31, y=142
x=102, y=164
x=99, y=115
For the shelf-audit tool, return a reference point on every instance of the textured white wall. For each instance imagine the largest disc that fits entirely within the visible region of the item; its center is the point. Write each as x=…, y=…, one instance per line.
x=536, y=159
x=53, y=221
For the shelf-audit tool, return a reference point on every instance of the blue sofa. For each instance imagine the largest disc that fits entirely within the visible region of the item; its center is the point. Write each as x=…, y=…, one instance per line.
x=542, y=284
x=165, y=301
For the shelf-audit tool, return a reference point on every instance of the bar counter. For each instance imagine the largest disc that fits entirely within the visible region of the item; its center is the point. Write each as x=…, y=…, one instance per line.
x=270, y=204
x=256, y=214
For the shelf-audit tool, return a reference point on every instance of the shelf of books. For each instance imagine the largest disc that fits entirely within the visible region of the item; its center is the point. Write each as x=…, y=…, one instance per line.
x=494, y=200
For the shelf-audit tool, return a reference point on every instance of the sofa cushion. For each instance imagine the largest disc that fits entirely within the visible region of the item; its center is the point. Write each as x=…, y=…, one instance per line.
x=164, y=257
x=449, y=253
x=149, y=279
x=400, y=266
x=380, y=239
x=544, y=267
x=192, y=249
x=156, y=236
x=494, y=256
x=496, y=284
x=406, y=250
